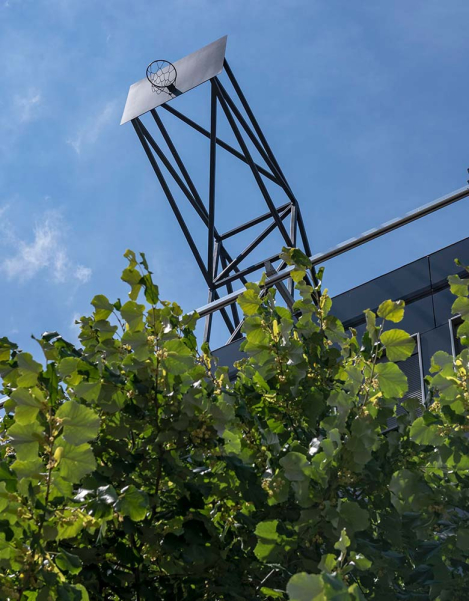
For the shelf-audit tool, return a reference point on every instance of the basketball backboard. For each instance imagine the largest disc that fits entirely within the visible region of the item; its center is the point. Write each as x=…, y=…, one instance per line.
x=192, y=70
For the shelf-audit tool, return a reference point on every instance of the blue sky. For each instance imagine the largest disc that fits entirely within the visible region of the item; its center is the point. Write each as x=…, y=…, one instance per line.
x=364, y=104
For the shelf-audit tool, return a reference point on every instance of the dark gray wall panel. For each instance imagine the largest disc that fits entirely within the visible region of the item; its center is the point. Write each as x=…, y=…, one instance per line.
x=442, y=262
x=443, y=302
x=229, y=354
x=418, y=316
x=435, y=340
x=402, y=282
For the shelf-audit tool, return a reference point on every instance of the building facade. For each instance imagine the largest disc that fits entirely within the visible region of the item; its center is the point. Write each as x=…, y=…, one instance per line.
x=423, y=285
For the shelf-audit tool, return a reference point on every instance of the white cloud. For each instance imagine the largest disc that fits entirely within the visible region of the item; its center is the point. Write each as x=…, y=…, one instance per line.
x=45, y=253
x=27, y=105
x=83, y=273
x=74, y=326
x=90, y=133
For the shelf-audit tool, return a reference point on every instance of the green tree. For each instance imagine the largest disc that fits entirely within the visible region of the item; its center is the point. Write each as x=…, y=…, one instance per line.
x=132, y=468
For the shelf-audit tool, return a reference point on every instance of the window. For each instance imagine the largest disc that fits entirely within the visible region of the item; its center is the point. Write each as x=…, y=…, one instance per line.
x=454, y=323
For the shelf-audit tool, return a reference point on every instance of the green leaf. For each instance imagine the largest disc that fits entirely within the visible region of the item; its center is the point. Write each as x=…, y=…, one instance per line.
x=70, y=526
x=399, y=345
x=343, y=543
x=439, y=360
x=179, y=358
x=356, y=518
x=102, y=307
x=458, y=287
x=138, y=341
x=26, y=438
x=75, y=461
x=28, y=370
x=268, y=537
x=463, y=333
x=7, y=476
x=306, y=587
x=28, y=469
x=409, y=491
x=371, y=327
x=89, y=391
x=68, y=562
x=133, y=503
x=424, y=434
x=83, y=591
x=461, y=306
x=80, y=423
x=133, y=277
x=249, y=302
x=151, y=290
x=360, y=561
x=328, y=563
x=272, y=593
x=392, y=310
x=392, y=381
x=132, y=312
x=67, y=366
x=296, y=466
x=294, y=256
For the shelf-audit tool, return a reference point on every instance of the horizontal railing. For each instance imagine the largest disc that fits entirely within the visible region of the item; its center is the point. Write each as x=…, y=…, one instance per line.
x=343, y=247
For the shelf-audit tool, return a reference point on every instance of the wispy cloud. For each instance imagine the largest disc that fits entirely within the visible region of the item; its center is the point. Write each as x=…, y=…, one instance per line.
x=92, y=130
x=82, y=273
x=28, y=105
x=44, y=252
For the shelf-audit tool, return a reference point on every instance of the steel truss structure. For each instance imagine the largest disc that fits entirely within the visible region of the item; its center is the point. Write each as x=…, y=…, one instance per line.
x=220, y=269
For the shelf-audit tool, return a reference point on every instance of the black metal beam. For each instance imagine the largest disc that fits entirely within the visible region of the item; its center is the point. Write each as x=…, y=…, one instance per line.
x=179, y=161
x=211, y=190
x=253, y=222
x=262, y=138
x=344, y=247
x=253, y=120
x=137, y=126
x=247, y=271
x=249, y=248
x=237, y=113
x=229, y=288
x=220, y=142
x=198, y=206
x=252, y=165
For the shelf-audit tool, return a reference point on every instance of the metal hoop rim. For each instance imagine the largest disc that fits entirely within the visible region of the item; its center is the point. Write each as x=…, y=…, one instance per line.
x=171, y=65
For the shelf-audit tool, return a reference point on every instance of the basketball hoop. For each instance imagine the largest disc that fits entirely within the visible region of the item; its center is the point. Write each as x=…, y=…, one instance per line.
x=162, y=75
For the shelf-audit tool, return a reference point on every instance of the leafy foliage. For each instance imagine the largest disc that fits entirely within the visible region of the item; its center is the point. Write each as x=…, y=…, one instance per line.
x=132, y=468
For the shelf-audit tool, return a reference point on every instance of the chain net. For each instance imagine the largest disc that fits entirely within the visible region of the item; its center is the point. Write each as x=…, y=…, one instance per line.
x=161, y=74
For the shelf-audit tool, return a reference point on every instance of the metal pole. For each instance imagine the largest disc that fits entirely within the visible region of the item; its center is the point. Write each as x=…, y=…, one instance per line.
x=348, y=245
x=211, y=190
x=199, y=208
x=254, y=170
x=242, y=255
x=220, y=143
x=252, y=223
x=179, y=162
x=172, y=202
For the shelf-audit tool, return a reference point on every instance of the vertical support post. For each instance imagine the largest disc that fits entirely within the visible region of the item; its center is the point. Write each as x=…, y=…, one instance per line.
x=211, y=189
x=229, y=289
x=293, y=232
x=271, y=155
x=208, y=319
